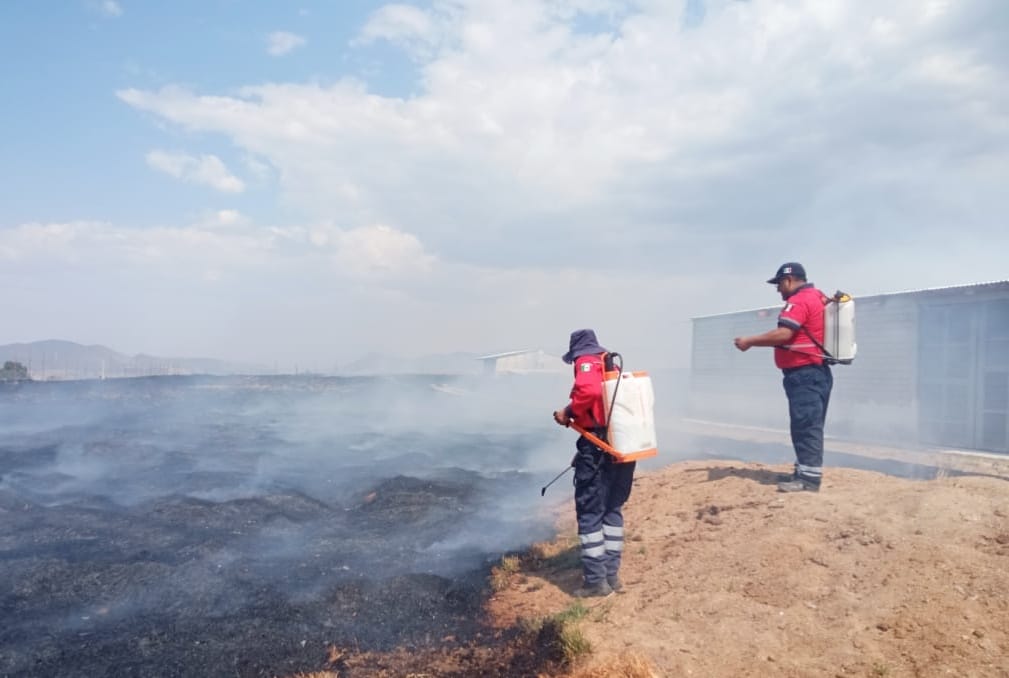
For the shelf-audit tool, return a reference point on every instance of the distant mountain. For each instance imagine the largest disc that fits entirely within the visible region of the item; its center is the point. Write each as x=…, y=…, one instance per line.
x=58, y=359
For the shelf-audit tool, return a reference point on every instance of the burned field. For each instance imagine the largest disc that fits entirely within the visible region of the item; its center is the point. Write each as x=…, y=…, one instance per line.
x=178, y=533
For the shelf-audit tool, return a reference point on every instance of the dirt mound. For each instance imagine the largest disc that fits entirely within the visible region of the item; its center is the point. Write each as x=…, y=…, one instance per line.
x=873, y=576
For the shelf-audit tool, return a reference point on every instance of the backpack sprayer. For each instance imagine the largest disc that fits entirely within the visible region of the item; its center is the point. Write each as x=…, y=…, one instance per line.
x=838, y=347
x=839, y=329
x=630, y=418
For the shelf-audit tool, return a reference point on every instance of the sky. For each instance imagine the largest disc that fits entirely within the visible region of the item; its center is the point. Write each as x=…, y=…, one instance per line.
x=307, y=182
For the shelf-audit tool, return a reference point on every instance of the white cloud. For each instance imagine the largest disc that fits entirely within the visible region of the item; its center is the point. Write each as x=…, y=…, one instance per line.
x=279, y=43
x=530, y=129
x=223, y=240
x=676, y=160
x=958, y=69
x=259, y=170
x=934, y=9
x=207, y=170
x=87, y=241
x=380, y=250
x=224, y=219
x=405, y=25
x=255, y=289
x=229, y=217
x=110, y=8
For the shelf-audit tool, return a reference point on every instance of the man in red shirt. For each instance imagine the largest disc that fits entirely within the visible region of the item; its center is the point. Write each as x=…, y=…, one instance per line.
x=602, y=485
x=798, y=352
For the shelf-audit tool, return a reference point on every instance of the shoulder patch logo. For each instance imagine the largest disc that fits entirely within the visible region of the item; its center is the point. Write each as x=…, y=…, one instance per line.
x=788, y=307
x=586, y=367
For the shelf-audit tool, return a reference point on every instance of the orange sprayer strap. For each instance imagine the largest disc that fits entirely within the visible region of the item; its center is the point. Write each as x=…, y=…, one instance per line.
x=605, y=447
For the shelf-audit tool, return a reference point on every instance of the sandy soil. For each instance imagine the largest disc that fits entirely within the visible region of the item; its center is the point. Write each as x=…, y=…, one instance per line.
x=873, y=576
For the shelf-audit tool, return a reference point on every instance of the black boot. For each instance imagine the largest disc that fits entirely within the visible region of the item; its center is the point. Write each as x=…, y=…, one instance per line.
x=598, y=590
x=798, y=485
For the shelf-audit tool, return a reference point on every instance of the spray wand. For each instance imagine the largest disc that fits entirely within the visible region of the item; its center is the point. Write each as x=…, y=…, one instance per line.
x=595, y=441
x=544, y=490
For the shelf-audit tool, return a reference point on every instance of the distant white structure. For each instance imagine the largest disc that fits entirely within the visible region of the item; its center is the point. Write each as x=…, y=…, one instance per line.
x=528, y=361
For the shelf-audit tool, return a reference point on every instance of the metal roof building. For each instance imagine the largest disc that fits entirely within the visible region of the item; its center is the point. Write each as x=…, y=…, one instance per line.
x=526, y=361
x=932, y=369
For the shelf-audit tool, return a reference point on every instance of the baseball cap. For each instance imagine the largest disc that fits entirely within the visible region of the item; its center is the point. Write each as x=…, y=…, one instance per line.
x=792, y=268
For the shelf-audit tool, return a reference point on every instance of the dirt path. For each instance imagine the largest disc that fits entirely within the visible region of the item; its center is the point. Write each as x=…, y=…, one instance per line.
x=873, y=576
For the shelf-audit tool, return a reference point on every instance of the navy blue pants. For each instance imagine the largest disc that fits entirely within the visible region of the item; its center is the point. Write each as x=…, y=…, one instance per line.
x=808, y=390
x=601, y=488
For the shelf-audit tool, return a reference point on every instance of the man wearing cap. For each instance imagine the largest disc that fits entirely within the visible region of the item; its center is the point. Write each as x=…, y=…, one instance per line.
x=798, y=352
x=602, y=485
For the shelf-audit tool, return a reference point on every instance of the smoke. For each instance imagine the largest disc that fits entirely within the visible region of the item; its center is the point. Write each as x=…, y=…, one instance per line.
x=368, y=477
x=319, y=507
x=743, y=414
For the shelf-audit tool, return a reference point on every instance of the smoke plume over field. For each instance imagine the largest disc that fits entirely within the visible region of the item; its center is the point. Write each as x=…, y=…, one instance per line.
x=208, y=526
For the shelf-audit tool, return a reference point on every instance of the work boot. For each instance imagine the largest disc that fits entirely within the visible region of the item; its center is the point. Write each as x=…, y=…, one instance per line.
x=615, y=583
x=798, y=485
x=600, y=590
x=785, y=477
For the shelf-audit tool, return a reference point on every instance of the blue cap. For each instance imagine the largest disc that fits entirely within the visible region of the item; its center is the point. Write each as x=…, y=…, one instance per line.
x=792, y=268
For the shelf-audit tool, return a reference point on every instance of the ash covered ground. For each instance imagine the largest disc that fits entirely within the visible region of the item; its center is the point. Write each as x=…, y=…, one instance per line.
x=239, y=526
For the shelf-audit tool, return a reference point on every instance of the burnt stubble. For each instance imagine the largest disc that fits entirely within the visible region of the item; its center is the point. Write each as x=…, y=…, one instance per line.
x=184, y=527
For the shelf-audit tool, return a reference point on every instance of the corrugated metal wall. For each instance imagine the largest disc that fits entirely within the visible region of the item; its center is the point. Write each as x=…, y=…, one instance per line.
x=993, y=426
x=932, y=368
x=727, y=385
x=874, y=398
x=963, y=388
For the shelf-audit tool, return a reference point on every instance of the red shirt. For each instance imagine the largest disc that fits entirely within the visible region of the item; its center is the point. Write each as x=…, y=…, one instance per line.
x=586, y=407
x=803, y=312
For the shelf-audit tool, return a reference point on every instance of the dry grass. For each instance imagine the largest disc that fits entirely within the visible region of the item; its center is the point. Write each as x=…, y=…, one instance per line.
x=499, y=580
x=510, y=564
x=334, y=654
x=627, y=665
x=561, y=554
x=562, y=641
x=559, y=636
x=501, y=575
x=545, y=550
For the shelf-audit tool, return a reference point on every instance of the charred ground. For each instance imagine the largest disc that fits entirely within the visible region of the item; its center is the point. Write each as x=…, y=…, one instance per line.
x=130, y=550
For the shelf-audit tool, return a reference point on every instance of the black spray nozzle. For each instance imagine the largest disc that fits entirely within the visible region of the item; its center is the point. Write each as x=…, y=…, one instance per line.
x=544, y=490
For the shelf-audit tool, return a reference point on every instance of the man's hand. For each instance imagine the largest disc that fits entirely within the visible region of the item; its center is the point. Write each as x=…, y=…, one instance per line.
x=561, y=417
x=776, y=337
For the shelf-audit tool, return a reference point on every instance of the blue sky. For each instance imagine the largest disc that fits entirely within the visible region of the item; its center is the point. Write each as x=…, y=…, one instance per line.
x=64, y=63
x=281, y=182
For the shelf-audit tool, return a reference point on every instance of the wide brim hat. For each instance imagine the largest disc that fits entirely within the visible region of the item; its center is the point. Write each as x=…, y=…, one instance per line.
x=582, y=342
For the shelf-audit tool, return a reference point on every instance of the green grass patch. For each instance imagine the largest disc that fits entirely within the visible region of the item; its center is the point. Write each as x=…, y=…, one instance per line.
x=559, y=636
x=576, y=611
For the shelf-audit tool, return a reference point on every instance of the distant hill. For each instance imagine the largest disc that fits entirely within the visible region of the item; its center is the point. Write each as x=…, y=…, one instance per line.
x=58, y=359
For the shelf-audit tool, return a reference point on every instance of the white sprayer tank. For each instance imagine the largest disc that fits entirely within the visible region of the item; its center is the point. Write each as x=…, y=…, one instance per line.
x=632, y=418
x=839, y=328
